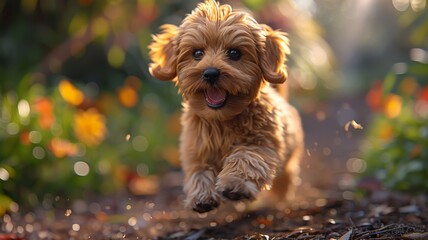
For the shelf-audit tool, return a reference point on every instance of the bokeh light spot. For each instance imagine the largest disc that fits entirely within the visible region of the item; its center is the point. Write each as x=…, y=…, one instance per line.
x=116, y=56
x=23, y=108
x=75, y=227
x=401, y=5
x=100, y=27
x=81, y=168
x=140, y=143
x=12, y=128
x=418, y=5
x=356, y=165
x=35, y=137
x=142, y=169
x=419, y=54
x=132, y=221
x=4, y=174
x=39, y=152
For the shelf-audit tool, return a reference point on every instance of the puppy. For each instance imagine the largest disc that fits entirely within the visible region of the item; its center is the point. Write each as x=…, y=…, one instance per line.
x=239, y=136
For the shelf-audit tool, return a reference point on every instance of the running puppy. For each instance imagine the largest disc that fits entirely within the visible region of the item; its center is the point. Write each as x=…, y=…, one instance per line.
x=239, y=136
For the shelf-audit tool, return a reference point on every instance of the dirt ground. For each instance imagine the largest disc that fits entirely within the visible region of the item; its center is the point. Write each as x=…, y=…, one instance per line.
x=328, y=204
x=382, y=215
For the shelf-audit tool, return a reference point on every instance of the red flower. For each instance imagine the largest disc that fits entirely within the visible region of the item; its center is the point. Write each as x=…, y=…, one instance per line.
x=374, y=97
x=423, y=94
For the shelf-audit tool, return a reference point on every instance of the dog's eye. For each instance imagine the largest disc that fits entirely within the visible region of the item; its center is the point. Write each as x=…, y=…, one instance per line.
x=198, y=54
x=234, y=54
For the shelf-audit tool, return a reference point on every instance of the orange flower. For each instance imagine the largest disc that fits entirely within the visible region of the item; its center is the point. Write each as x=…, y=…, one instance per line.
x=90, y=127
x=408, y=86
x=44, y=106
x=62, y=148
x=128, y=94
x=128, y=97
x=392, y=106
x=70, y=93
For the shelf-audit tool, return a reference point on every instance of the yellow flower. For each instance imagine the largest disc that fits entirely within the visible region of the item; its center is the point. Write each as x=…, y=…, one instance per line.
x=70, y=93
x=90, y=127
x=392, y=106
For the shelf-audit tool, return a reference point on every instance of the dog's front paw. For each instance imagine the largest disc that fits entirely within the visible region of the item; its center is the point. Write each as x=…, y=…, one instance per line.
x=205, y=206
x=235, y=188
x=201, y=194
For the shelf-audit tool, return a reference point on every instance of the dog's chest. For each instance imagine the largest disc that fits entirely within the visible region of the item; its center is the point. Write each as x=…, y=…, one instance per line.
x=216, y=139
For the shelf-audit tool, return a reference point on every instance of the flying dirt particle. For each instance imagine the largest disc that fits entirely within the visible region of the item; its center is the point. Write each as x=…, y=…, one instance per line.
x=353, y=124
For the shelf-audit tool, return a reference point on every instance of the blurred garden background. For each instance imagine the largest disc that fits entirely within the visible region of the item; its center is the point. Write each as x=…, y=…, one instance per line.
x=81, y=117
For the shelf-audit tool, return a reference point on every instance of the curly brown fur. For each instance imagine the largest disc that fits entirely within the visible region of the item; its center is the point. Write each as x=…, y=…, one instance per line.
x=239, y=135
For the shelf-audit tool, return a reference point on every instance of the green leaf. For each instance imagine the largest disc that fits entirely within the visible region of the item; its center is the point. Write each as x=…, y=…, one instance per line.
x=388, y=84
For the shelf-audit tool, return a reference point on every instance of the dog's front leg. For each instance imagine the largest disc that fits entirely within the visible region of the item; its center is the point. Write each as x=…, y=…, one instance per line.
x=199, y=186
x=246, y=171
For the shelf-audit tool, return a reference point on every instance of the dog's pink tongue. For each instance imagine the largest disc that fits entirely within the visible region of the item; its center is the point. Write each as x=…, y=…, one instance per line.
x=215, y=96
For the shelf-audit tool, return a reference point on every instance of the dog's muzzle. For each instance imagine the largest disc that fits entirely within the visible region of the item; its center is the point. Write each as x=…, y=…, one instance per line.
x=214, y=97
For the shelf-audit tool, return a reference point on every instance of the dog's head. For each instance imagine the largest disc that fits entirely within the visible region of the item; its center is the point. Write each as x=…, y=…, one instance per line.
x=219, y=59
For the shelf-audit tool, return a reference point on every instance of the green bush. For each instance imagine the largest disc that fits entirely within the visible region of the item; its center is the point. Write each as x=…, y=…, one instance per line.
x=397, y=149
x=79, y=113
x=397, y=141
x=58, y=144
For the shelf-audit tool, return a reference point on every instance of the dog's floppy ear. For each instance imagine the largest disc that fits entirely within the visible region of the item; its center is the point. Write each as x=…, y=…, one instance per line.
x=274, y=56
x=162, y=53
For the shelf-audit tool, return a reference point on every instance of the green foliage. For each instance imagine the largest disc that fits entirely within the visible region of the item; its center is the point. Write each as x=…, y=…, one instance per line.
x=44, y=151
x=397, y=151
x=79, y=114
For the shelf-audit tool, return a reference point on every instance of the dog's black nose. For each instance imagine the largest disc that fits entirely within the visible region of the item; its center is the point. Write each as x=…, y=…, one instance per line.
x=211, y=75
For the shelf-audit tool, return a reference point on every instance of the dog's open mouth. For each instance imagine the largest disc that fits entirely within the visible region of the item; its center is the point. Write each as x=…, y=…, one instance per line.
x=215, y=97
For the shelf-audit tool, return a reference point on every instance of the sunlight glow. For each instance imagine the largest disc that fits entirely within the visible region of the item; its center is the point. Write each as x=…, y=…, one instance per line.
x=359, y=17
